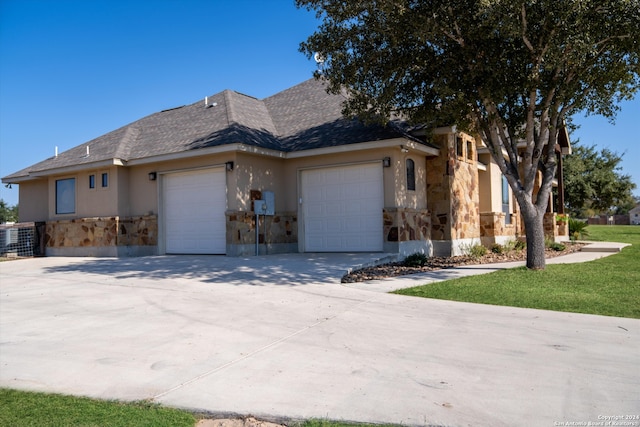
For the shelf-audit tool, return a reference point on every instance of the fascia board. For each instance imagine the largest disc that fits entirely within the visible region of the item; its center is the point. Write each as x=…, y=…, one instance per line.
x=396, y=142
x=76, y=168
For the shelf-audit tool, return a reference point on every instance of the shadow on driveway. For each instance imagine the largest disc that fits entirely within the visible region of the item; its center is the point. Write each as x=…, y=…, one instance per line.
x=288, y=269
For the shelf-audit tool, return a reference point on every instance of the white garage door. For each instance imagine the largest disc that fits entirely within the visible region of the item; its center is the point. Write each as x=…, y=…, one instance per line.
x=194, y=212
x=342, y=208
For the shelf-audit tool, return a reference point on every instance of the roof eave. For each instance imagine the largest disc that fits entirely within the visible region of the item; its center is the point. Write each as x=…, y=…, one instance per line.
x=63, y=170
x=387, y=143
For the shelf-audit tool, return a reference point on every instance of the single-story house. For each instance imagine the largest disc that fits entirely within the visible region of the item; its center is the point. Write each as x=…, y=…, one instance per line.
x=187, y=181
x=634, y=215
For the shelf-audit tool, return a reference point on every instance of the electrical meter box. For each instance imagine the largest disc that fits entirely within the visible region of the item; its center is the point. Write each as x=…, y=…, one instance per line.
x=269, y=199
x=259, y=207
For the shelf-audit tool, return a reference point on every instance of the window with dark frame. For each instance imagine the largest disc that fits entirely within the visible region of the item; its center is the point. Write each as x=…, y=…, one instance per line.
x=505, y=200
x=459, y=147
x=470, y=150
x=65, y=196
x=92, y=181
x=105, y=180
x=411, y=175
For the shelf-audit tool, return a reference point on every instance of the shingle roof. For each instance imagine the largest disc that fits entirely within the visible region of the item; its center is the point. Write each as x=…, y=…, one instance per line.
x=302, y=117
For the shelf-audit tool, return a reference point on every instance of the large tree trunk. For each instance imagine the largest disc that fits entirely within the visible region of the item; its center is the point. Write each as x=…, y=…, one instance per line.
x=534, y=231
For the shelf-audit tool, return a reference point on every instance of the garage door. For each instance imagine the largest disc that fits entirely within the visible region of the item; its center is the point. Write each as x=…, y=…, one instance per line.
x=194, y=212
x=342, y=208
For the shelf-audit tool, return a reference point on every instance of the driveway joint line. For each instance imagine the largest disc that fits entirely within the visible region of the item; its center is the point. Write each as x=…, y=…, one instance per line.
x=259, y=350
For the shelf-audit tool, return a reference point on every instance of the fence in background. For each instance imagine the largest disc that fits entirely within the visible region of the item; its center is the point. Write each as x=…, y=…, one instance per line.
x=23, y=239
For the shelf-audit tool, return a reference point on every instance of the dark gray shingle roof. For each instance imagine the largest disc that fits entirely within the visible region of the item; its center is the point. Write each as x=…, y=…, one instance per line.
x=302, y=117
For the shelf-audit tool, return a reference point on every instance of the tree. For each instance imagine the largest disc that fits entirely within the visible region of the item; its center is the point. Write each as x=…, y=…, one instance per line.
x=8, y=213
x=511, y=71
x=594, y=183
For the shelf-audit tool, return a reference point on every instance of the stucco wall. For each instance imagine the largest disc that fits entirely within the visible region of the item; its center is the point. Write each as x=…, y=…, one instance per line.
x=34, y=200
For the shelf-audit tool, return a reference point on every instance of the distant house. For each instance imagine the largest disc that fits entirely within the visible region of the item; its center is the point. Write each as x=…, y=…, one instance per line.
x=634, y=215
x=188, y=180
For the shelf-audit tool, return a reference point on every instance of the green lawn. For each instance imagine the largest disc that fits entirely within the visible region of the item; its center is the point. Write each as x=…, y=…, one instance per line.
x=30, y=409
x=22, y=409
x=609, y=286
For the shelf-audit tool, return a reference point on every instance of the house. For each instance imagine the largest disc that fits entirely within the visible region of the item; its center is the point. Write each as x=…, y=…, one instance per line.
x=634, y=215
x=187, y=181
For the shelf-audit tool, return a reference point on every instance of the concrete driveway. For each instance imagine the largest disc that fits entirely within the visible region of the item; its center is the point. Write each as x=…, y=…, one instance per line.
x=279, y=336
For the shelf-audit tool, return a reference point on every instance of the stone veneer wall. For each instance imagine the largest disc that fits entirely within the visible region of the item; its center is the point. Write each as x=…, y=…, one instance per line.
x=494, y=230
x=280, y=234
x=465, y=202
x=104, y=235
x=452, y=194
x=405, y=224
x=554, y=229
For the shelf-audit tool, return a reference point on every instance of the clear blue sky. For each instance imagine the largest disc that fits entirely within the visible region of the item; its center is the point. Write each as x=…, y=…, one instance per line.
x=72, y=70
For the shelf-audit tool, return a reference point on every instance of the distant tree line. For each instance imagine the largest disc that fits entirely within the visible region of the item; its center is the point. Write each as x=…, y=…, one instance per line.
x=8, y=213
x=595, y=184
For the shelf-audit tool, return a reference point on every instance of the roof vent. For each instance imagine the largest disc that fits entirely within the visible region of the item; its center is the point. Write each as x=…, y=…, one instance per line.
x=206, y=103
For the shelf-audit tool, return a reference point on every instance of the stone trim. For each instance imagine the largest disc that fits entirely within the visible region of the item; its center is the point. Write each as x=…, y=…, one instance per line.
x=406, y=224
x=102, y=232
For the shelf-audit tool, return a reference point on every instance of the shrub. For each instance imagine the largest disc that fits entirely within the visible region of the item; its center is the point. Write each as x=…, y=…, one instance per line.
x=477, y=251
x=519, y=245
x=497, y=248
x=577, y=229
x=415, y=260
x=551, y=244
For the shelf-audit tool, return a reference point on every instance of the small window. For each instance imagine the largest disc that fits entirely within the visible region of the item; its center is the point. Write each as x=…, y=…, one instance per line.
x=470, y=150
x=92, y=181
x=411, y=175
x=66, y=196
x=505, y=200
x=459, y=147
x=105, y=180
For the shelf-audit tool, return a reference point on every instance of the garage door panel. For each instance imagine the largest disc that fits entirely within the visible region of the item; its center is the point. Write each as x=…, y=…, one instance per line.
x=343, y=208
x=194, y=211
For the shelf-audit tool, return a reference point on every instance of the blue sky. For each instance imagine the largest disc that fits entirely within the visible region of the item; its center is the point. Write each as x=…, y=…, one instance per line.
x=72, y=70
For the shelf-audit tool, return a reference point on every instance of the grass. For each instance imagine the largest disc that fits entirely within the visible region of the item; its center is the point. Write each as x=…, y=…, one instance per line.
x=609, y=286
x=23, y=409
x=32, y=409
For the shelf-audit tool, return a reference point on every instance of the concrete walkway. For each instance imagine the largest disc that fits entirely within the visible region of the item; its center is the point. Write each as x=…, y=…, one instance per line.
x=279, y=337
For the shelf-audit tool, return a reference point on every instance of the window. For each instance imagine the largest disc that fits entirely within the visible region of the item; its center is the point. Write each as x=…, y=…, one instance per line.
x=66, y=196
x=459, y=147
x=105, y=180
x=411, y=175
x=92, y=181
x=470, y=150
x=505, y=200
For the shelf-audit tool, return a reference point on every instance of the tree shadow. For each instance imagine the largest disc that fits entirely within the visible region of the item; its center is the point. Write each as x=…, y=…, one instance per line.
x=280, y=270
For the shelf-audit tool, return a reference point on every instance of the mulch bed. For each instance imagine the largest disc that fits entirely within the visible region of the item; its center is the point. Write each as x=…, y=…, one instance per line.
x=437, y=263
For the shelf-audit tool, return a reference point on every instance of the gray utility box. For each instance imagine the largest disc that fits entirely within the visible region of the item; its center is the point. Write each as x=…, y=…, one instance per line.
x=266, y=206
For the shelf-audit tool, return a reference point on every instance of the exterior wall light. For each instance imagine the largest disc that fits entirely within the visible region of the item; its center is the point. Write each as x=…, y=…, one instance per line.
x=229, y=166
x=386, y=162
x=153, y=176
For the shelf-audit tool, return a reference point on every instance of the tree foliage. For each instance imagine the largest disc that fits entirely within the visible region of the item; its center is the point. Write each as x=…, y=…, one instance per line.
x=512, y=71
x=8, y=213
x=594, y=183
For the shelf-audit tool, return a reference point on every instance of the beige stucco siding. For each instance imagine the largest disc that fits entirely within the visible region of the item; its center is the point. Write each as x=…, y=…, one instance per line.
x=89, y=202
x=34, y=200
x=490, y=185
x=143, y=193
x=252, y=172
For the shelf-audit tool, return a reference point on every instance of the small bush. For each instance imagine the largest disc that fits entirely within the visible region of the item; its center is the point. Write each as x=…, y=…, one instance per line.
x=415, y=260
x=554, y=245
x=577, y=229
x=477, y=251
x=519, y=245
x=497, y=248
